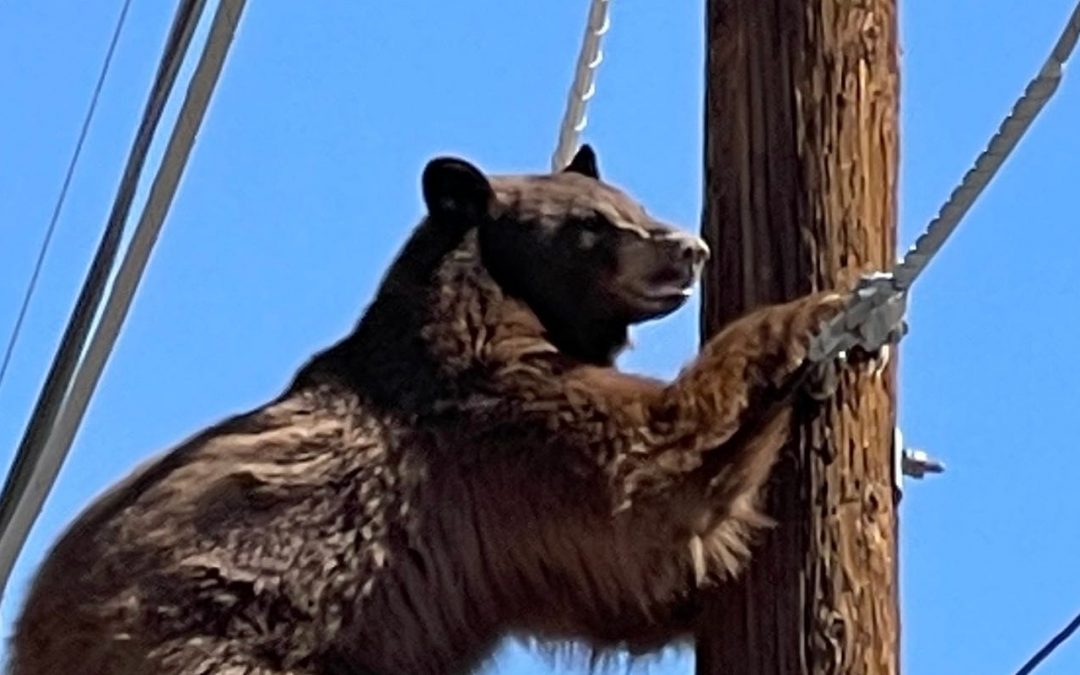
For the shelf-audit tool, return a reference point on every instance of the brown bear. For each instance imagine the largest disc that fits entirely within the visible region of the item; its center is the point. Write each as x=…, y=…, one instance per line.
x=465, y=465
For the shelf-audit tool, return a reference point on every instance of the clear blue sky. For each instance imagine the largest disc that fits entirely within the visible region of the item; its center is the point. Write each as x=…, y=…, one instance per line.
x=305, y=180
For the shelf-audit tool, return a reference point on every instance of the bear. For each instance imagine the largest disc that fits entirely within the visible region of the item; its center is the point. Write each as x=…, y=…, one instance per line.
x=468, y=463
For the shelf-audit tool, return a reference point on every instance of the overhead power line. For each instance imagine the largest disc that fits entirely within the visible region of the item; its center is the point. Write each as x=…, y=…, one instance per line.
x=32, y=284
x=27, y=483
x=1050, y=646
x=132, y=266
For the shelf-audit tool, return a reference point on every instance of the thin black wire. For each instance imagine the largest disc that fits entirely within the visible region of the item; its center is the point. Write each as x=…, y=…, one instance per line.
x=43, y=251
x=1050, y=646
x=58, y=379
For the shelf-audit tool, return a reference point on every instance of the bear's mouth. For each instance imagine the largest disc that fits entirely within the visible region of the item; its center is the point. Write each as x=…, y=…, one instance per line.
x=667, y=292
x=664, y=293
x=671, y=283
x=655, y=292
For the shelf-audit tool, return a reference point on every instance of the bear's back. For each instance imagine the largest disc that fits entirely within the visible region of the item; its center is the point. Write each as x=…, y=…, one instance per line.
x=257, y=528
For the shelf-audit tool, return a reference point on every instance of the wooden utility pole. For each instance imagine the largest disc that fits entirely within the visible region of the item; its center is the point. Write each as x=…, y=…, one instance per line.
x=801, y=173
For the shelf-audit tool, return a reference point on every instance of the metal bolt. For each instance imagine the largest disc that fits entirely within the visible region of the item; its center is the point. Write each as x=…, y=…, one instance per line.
x=916, y=463
x=912, y=462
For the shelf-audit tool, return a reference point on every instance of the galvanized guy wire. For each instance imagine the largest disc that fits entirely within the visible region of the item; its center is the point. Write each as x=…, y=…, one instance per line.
x=876, y=312
x=584, y=86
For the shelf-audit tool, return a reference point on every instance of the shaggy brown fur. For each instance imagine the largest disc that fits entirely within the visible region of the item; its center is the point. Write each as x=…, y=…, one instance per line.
x=466, y=464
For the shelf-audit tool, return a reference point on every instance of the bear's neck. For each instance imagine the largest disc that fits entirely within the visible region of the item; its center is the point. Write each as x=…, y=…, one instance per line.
x=386, y=359
x=420, y=343
x=596, y=343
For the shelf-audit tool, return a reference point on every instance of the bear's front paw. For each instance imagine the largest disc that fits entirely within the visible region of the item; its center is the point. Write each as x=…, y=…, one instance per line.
x=796, y=325
x=817, y=310
x=813, y=312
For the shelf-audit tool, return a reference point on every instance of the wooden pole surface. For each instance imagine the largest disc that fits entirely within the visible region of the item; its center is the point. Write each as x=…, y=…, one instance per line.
x=801, y=178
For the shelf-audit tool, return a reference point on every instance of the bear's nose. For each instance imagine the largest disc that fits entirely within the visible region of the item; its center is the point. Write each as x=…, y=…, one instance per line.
x=695, y=250
x=688, y=248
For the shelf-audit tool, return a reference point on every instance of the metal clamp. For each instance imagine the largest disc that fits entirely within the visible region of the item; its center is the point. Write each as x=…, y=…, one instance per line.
x=873, y=319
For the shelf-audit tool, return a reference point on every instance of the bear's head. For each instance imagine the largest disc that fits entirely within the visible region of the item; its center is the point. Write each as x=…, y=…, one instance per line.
x=585, y=257
x=585, y=260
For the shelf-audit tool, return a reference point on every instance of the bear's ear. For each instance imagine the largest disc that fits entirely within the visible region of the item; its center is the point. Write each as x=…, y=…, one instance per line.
x=454, y=188
x=584, y=162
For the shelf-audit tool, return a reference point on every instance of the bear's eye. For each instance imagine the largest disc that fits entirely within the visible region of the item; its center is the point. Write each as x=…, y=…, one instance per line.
x=593, y=225
x=589, y=231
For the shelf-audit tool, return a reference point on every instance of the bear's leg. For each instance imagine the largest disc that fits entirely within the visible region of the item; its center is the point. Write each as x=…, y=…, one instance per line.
x=738, y=393
x=713, y=433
